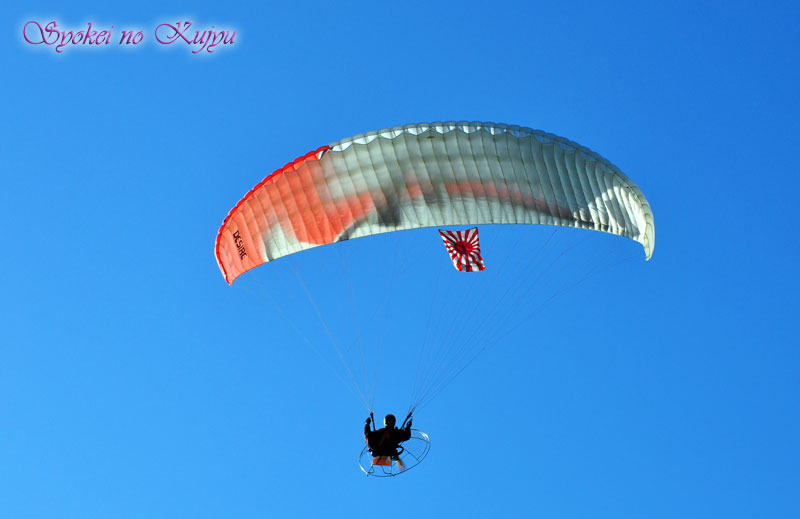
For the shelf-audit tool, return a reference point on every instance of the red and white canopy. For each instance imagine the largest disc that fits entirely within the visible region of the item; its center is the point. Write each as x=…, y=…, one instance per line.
x=426, y=175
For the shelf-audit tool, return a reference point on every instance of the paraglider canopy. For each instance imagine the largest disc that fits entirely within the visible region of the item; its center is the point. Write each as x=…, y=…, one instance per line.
x=425, y=175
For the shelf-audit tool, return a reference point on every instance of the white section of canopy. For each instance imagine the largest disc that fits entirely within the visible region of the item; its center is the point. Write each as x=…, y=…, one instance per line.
x=541, y=165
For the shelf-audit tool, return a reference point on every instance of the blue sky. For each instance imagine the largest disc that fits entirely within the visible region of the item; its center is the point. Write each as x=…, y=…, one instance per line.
x=135, y=383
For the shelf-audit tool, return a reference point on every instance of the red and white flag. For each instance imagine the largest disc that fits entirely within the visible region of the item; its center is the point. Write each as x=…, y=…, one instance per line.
x=464, y=249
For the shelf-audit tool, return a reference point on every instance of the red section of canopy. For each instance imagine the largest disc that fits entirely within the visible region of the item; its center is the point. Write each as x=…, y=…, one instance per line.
x=247, y=240
x=464, y=249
